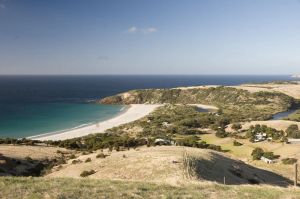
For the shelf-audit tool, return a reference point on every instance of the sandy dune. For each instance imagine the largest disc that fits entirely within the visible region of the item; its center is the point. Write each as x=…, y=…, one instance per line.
x=292, y=90
x=134, y=112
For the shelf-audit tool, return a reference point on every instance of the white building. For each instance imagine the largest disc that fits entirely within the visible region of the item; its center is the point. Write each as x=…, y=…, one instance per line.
x=266, y=160
x=260, y=137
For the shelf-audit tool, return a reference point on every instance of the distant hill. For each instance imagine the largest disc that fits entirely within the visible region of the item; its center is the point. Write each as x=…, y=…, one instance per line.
x=237, y=103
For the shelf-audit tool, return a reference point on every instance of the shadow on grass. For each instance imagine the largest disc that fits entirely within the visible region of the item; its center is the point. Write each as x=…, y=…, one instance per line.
x=235, y=172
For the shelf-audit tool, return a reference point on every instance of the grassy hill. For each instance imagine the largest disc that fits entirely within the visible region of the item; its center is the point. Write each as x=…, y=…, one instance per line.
x=237, y=103
x=169, y=164
x=25, y=188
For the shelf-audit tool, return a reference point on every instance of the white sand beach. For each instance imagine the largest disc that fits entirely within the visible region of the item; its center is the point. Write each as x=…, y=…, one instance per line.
x=134, y=112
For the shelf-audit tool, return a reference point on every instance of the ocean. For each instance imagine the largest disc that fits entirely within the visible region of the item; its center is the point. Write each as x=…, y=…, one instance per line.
x=32, y=105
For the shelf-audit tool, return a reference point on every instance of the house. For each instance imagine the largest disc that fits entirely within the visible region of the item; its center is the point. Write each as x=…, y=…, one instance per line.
x=160, y=141
x=260, y=137
x=266, y=160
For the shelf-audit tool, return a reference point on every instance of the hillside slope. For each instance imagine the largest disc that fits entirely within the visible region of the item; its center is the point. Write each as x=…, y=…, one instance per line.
x=28, y=188
x=238, y=103
x=169, y=164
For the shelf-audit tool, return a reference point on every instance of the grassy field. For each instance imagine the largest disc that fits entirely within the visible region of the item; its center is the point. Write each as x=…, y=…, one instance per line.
x=14, y=188
x=244, y=152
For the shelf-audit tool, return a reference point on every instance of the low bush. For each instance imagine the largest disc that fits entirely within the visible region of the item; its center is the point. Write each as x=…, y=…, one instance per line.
x=214, y=147
x=72, y=156
x=289, y=160
x=88, y=160
x=257, y=153
x=293, y=131
x=236, y=126
x=76, y=161
x=29, y=159
x=87, y=173
x=270, y=155
x=101, y=155
x=221, y=133
x=236, y=143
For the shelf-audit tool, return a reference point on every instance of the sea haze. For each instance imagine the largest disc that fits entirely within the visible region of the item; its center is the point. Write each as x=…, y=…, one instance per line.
x=31, y=105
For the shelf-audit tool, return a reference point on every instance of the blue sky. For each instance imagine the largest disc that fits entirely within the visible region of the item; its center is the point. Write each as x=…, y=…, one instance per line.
x=149, y=37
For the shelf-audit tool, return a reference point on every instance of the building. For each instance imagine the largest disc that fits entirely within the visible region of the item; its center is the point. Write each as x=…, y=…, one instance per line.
x=260, y=137
x=266, y=160
x=160, y=141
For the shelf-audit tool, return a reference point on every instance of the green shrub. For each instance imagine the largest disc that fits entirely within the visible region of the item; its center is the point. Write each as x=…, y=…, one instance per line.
x=289, y=160
x=29, y=159
x=87, y=173
x=221, y=133
x=270, y=155
x=101, y=155
x=257, y=153
x=236, y=143
x=76, y=161
x=88, y=160
x=214, y=147
x=236, y=126
x=190, y=141
x=293, y=131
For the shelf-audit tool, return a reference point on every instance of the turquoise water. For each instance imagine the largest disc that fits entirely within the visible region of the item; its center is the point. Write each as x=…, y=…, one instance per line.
x=32, y=105
x=39, y=118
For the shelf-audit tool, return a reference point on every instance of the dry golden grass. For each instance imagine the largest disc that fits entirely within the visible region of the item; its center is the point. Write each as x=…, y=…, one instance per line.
x=244, y=153
x=276, y=124
x=164, y=164
x=35, y=152
x=43, y=188
x=292, y=90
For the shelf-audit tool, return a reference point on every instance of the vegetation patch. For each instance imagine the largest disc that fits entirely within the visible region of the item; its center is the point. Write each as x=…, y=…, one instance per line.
x=87, y=173
x=289, y=160
x=293, y=131
x=236, y=143
x=91, y=189
x=238, y=104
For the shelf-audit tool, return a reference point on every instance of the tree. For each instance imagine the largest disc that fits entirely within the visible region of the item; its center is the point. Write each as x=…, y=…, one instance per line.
x=293, y=131
x=257, y=153
x=270, y=155
x=221, y=133
x=236, y=143
x=236, y=126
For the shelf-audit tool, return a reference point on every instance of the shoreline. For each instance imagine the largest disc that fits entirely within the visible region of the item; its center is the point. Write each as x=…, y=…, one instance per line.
x=122, y=111
x=129, y=114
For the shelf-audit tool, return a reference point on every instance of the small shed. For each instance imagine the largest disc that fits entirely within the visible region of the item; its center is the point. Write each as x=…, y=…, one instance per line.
x=260, y=137
x=266, y=160
x=160, y=141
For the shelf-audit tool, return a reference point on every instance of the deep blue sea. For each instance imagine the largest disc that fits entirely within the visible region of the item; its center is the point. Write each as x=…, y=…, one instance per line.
x=31, y=105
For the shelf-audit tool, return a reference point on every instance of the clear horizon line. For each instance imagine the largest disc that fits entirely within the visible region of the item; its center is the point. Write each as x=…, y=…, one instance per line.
x=142, y=74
